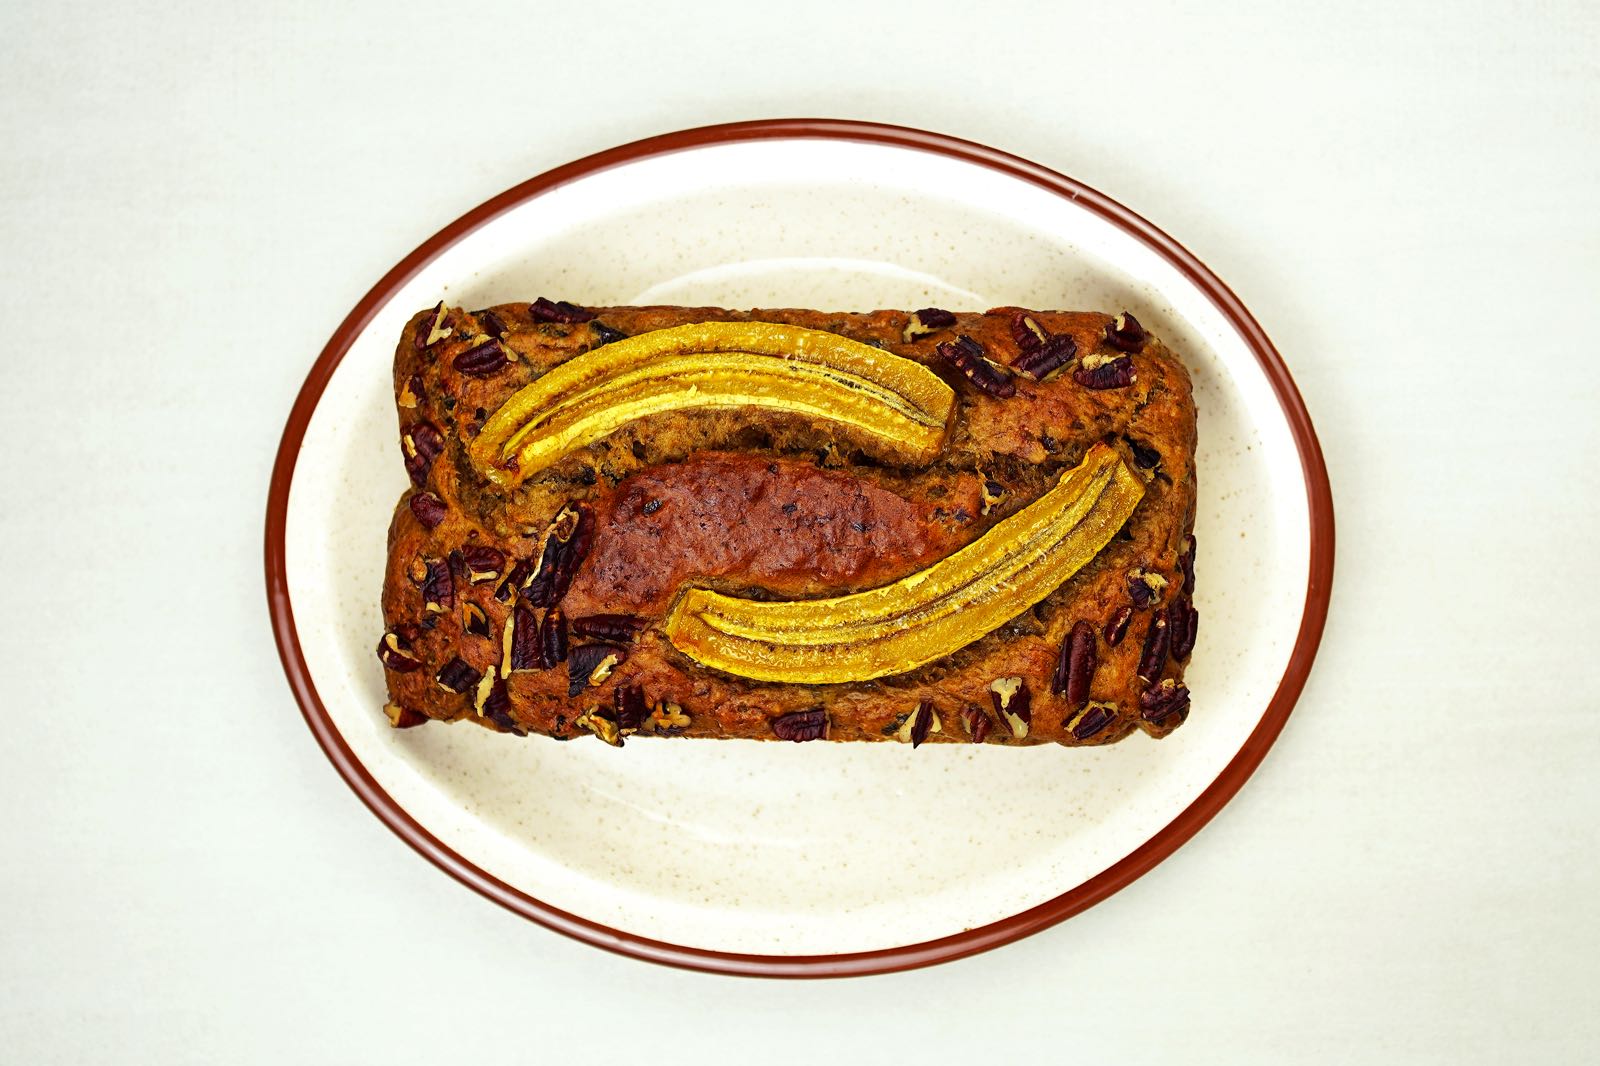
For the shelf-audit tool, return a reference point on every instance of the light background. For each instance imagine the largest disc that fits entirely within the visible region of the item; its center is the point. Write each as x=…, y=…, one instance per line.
x=1408, y=198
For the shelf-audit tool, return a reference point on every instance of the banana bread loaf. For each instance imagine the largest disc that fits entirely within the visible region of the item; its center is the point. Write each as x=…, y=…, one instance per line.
x=790, y=524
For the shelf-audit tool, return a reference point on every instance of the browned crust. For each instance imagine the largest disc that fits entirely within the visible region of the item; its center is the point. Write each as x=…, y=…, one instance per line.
x=1021, y=442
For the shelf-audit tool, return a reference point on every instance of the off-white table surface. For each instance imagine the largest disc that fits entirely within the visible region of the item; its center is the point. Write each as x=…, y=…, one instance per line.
x=1407, y=196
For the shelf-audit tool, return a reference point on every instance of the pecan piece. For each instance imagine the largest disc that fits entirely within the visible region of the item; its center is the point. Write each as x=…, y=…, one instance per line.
x=978, y=723
x=1185, y=623
x=605, y=335
x=1091, y=720
x=458, y=675
x=395, y=649
x=1052, y=355
x=801, y=725
x=1117, y=628
x=438, y=328
x=1160, y=702
x=588, y=665
x=421, y=443
x=618, y=628
x=1075, y=665
x=966, y=355
x=429, y=509
x=524, y=651
x=482, y=564
x=474, y=620
x=494, y=704
x=1125, y=334
x=403, y=717
x=1105, y=372
x=1029, y=335
x=602, y=722
x=482, y=360
x=1013, y=704
x=918, y=724
x=544, y=310
x=1186, y=565
x=631, y=707
x=1157, y=640
x=928, y=320
x=1144, y=587
x=491, y=323
x=412, y=393
x=565, y=544
x=553, y=638
x=667, y=718
x=438, y=588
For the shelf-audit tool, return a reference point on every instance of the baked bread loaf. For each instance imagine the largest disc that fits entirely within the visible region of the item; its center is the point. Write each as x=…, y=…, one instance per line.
x=789, y=524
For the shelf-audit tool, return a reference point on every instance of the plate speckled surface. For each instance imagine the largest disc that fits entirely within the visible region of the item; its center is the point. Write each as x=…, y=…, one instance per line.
x=814, y=859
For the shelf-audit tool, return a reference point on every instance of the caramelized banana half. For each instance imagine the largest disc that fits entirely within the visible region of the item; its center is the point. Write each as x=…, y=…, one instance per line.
x=894, y=409
x=927, y=615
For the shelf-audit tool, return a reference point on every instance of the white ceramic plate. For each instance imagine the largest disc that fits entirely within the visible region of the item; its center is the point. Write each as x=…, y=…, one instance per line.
x=781, y=858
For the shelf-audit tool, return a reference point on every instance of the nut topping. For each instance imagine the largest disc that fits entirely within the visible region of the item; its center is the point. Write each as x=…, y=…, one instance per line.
x=618, y=628
x=429, y=509
x=667, y=718
x=1185, y=623
x=1125, y=334
x=438, y=588
x=483, y=360
x=395, y=649
x=1105, y=372
x=918, y=724
x=977, y=722
x=1145, y=588
x=1117, y=628
x=1013, y=704
x=602, y=723
x=412, y=393
x=631, y=707
x=801, y=725
x=566, y=542
x=474, y=621
x=482, y=563
x=524, y=654
x=1029, y=335
x=1186, y=565
x=438, y=327
x=544, y=310
x=992, y=493
x=553, y=638
x=1075, y=665
x=1160, y=702
x=1156, y=642
x=967, y=356
x=927, y=320
x=421, y=444
x=589, y=665
x=403, y=717
x=1056, y=352
x=491, y=323
x=1091, y=720
x=458, y=676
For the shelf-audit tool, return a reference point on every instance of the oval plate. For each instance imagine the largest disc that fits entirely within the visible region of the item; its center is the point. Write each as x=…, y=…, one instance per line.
x=817, y=859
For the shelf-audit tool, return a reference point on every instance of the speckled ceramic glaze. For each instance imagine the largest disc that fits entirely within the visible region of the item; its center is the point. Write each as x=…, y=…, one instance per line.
x=814, y=849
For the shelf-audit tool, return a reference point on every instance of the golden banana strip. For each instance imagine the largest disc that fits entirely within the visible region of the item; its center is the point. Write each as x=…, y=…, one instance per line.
x=894, y=408
x=924, y=616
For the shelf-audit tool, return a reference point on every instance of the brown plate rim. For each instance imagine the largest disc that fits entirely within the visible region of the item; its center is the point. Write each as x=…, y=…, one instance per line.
x=1125, y=871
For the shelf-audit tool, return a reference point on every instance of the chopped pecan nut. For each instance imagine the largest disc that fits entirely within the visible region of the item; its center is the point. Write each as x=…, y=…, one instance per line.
x=420, y=444
x=1161, y=701
x=602, y=723
x=1105, y=372
x=618, y=628
x=801, y=725
x=918, y=724
x=1052, y=355
x=1026, y=331
x=491, y=323
x=1156, y=643
x=667, y=718
x=428, y=509
x=403, y=717
x=1117, y=628
x=524, y=653
x=1125, y=334
x=1075, y=665
x=928, y=320
x=438, y=327
x=978, y=723
x=458, y=675
x=1185, y=623
x=1145, y=587
x=412, y=393
x=482, y=564
x=967, y=356
x=1013, y=704
x=544, y=310
x=1091, y=720
x=482, y=360
x=589, y=665
x=438, y=588
x=395, y=649
x=631, y=707
x=566, y=542
x=474, y=620
x=1186, y=565
x=553, y=638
